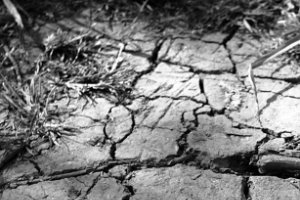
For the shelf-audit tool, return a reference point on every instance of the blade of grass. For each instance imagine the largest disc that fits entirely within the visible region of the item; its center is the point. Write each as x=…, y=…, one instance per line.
x=9, y=88
x=14, y=12
x=12, y=103
x=252, y=81
x=287, y=46
x=45, y=110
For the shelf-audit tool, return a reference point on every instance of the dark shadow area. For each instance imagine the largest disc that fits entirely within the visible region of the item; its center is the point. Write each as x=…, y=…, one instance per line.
x=215, y=15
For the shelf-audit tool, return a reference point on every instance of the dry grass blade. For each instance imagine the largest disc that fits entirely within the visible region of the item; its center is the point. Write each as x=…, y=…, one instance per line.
x=14, y=12
x=132, y=27
x=118, y=60
x=286, y=47
x=14, y=104
x=252, y=81
x=45, y=112
x=247, y=25
x=140, y=11
x=8, y=88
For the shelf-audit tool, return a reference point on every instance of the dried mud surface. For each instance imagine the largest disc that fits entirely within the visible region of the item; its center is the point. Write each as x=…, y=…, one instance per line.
x=188, y=131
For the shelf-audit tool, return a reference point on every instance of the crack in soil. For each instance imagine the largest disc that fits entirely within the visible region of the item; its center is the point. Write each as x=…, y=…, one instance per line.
x=112, y=151
x=133, y=125
x=224, y=43
x=153, y=59
x=279, y=94
x=80, y=181
x=113, y=147
x=269, y=132
x=107, y=119
x=182, y=155
x=37, y=167
x=234, y=66
x=246, y=187
x=172, y=98
x=165, y=111
x=201, y=86
x=198, y=71
x=131, y=190
x=230, y=35
x=157, y=127
x=171, y=42
x=158, y=45
x=196, y=121
x=88, y=191
x=124, y=181
x=254, y=157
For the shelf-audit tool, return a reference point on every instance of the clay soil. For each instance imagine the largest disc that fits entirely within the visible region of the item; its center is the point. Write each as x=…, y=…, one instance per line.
x=149, y=100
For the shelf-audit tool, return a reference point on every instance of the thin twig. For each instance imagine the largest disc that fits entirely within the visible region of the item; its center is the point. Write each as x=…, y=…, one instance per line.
x=252, y=81
x=14, y=12
x=118, y=60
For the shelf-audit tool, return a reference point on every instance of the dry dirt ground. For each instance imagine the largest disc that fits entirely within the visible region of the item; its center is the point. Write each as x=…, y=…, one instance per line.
x=158, y=113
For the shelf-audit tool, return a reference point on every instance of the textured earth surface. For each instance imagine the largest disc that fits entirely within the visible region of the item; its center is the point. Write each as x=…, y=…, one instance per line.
x=189, y=132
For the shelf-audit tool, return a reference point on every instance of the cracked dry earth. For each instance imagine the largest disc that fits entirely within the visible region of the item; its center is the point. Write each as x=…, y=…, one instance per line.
x=190, y=132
